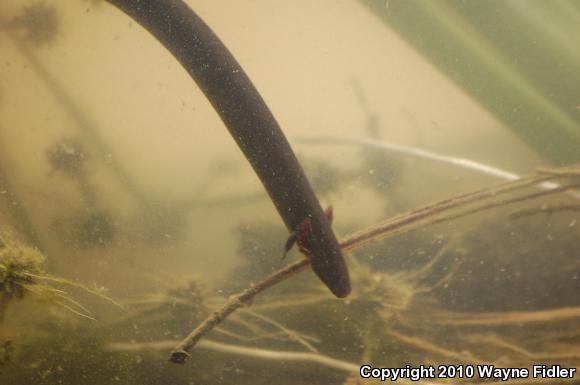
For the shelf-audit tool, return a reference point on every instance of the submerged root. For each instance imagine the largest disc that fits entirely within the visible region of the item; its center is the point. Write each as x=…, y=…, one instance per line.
x=517, y=318
x=434, y=313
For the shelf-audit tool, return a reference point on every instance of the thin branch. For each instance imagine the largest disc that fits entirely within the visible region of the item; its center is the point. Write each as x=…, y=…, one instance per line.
x=179, y=354
x=240, y=350
x=397, y=225
x=265, y=354
x=402, y=222
x=290, y=302
x=273, y=335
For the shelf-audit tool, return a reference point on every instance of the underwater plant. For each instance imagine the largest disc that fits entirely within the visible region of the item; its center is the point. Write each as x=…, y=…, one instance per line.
x=23, y=275
x=18, y=265
x=489, y=60
x=445, y=211
x=426, y=296
x=426, y=314
x=233, y=96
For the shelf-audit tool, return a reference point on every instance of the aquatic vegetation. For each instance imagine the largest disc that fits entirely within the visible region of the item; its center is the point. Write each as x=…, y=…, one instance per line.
x=395, y=295
x=486, y=276
x=47, y=298
x=488, y=60
x=18, y=265
x=22, y=275
x=179, y=304
x=218, y=65
x=400, y=317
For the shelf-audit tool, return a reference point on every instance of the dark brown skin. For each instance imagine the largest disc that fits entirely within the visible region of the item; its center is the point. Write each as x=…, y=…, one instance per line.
x=300, y=236
x=251, y=124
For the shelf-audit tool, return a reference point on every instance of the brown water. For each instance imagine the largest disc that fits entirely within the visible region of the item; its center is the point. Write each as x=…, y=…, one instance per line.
x=115, y=166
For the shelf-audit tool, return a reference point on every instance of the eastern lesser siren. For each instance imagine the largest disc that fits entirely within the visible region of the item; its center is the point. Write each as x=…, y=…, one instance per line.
x=249, y=121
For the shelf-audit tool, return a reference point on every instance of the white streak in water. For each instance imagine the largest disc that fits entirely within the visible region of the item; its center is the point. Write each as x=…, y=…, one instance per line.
x=425, y=154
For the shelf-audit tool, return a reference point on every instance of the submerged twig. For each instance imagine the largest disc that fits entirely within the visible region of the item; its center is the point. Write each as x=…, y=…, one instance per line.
x=179, y=354
x=403, y=222
x=264, y=354
x=241, y=350
x=420, y=217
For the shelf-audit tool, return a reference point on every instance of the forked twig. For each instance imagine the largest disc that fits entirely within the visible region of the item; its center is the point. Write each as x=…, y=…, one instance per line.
x=421, y=217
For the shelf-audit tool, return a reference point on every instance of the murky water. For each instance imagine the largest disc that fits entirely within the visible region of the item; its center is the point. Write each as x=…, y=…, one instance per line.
x=128, y=215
